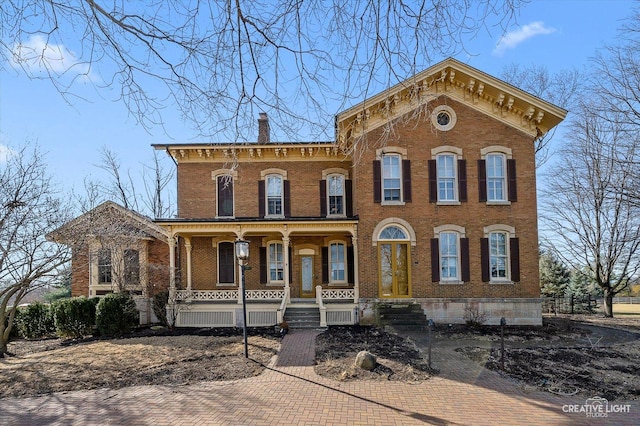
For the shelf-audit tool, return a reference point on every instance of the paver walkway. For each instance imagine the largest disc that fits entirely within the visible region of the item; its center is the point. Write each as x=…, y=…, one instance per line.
x=290, y=393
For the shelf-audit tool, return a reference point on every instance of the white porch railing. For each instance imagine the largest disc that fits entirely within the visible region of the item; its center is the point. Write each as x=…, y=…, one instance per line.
x=283, y=306
x=206, y=295
x=214, y=295
x=337, y=293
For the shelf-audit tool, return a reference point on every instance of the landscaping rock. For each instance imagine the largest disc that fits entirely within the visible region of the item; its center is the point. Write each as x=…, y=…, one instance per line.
x=366, y=360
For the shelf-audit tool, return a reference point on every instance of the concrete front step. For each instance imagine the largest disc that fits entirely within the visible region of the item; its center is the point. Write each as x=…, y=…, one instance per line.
x=297, y=317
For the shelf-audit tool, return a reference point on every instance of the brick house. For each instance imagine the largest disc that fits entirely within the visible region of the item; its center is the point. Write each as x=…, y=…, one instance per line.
x=427, y=196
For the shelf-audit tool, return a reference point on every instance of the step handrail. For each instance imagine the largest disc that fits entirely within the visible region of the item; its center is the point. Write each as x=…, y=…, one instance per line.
x=283, y=306
x=321, y=307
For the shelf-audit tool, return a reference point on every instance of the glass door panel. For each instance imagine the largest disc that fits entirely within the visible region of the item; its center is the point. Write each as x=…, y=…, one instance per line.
x=307, y=276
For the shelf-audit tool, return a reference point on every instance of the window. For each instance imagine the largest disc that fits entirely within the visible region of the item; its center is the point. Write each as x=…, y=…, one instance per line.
x=104, y=266
x=443, y=118
x=336, y=194
x=225, y=196
x=274, y=195
x=497, y=176
x=446, y=178
x=450, y=255
x=500, y=255
x=226, y=263
x=131, y=267
x=337, y=262
x=394, y=262
x=391, y=176
x=276, y=263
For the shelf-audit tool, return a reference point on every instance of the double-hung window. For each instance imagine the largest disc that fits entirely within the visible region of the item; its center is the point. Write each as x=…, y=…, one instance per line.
x=276, y=263
x=391, y=178
x=446, y=178
x=336, y=195
x=226, y=263
x=497, y=176
x=500, y=254
x=337, y=256
x=224, y=179
x=450, y=255
x=104, y=266
x=275, y=195
x=449, y=258
x=131, y=267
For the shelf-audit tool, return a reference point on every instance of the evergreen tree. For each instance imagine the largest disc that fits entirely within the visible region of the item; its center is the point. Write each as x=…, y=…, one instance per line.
x=554, y=276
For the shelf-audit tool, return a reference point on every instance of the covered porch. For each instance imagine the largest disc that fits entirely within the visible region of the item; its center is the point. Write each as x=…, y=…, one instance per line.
x=310, y=264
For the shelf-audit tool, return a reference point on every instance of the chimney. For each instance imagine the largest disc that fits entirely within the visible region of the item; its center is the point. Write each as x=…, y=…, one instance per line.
x=263, y=129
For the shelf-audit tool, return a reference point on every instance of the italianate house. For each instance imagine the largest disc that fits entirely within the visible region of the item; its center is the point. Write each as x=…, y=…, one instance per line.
x=425, y=199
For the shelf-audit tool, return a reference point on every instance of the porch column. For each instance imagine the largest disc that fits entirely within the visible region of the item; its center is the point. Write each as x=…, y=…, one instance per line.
x=356, y=281
x=285, y=249
x=187, y=246
x=172, y=267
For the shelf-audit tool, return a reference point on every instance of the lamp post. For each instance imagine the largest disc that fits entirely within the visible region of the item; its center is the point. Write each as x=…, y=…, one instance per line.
x=242, y=253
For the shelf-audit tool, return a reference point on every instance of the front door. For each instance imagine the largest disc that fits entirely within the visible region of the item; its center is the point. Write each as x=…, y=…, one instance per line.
x=307, y=289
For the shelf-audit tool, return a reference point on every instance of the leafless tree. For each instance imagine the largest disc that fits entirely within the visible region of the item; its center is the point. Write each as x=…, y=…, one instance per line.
x=562, y=89
x=147, y=192
x=221, y=62
x=591, y=219
x=30, y=207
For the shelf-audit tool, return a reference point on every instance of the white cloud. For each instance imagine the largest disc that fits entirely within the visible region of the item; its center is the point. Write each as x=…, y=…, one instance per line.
x=512, y=39
x=38, y=55
x=5, y=153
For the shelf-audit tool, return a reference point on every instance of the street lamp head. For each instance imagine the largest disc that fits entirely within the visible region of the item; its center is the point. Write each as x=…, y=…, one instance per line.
x=242, y=250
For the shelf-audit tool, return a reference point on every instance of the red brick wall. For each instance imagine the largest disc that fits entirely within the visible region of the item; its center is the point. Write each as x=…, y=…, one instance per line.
x=473, y=131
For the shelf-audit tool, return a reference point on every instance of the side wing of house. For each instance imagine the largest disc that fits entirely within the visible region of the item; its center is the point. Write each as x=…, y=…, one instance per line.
x=446, y=195
x=115, y=249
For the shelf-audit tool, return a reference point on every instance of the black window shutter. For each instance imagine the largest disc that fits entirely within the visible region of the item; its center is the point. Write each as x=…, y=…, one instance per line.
x=325, y=264
x=377, y=181
x=290, y=264
x=462, y=180
x=323, y=198
x=433, y=181
x=261, y=208
x=435, y=259
x=482, y=180
x=514, y=246
x=406, y=180
x=511, y=179
x=484, y=259
x=350, y=265
x=348, y=192
x=464, y=260
x=287, y=198
x=263, y=265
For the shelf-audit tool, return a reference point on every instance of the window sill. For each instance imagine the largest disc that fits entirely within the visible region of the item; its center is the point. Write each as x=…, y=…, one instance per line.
x=274, y=216
x=275, y=284
x=498, y=203
x=452, y=282
x=226, y=217
x=501, y=282
x=448, y=203
x=392, y=203
x=336, y=216
x=338, y=284
x=225, y=284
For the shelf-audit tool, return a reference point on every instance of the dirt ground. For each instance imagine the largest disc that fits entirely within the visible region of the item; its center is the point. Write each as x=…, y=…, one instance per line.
x=582, y=355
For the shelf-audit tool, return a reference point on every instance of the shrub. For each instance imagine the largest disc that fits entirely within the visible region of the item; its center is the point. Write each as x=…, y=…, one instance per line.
x=117, y=314
x=35, y=321
x=74, y=317
x=160, y=301
x=473, y=317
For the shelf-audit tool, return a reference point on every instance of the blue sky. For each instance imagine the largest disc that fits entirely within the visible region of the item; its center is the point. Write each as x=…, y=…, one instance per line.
x=557, y=34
